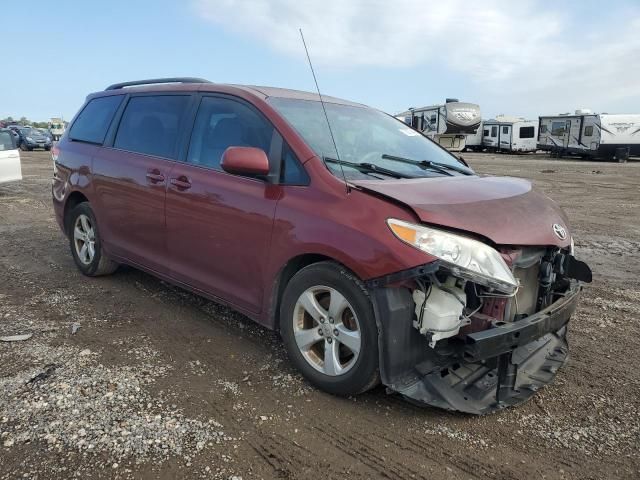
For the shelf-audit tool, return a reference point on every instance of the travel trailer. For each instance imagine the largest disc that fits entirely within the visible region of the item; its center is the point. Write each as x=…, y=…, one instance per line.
x=57, y=127
x=590, y=134
x=447, y=124
x=473, y=142
x=510, y=134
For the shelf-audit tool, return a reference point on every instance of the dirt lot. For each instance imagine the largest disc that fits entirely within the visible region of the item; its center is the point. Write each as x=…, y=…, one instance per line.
x=159, y=383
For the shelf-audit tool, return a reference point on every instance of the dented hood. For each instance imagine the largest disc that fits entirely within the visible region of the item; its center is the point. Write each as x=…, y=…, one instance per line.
x=505, y=210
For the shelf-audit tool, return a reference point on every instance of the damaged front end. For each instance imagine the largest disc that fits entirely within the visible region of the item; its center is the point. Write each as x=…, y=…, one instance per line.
x=460, y=342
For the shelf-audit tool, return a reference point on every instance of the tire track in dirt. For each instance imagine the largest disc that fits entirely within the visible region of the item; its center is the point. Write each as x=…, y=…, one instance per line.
x=361, y=449
x=612, y=246
x=290, y=459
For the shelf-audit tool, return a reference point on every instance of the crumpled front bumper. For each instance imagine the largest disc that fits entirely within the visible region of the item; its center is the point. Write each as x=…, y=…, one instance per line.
x=490, y=370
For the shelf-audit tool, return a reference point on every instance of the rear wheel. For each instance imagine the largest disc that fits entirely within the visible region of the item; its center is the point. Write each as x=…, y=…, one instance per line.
x=329, y=330
x=86, y=245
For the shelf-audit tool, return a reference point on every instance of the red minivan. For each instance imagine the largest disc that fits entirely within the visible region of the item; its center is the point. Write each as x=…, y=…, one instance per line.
x=378, y=255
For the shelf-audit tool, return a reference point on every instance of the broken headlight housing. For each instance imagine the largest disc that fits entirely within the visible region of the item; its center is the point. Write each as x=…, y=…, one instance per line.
x=464, y=257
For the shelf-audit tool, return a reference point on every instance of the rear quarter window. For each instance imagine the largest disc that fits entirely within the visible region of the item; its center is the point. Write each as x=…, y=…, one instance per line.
x=94, y=120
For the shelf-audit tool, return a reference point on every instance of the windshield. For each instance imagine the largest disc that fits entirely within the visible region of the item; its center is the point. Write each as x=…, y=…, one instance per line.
x=362, y=135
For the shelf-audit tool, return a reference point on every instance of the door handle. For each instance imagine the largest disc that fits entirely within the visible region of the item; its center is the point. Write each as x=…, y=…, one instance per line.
x=181, y=183
x=155, y=177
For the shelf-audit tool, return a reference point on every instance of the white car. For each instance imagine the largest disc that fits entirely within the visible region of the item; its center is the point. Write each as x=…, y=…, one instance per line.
x=10, y=169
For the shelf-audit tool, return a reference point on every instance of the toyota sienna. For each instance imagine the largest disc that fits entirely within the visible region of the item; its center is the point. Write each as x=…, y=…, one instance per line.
x=377, y=255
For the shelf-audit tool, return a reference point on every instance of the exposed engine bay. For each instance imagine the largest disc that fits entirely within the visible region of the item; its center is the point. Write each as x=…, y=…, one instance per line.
x=468, y=346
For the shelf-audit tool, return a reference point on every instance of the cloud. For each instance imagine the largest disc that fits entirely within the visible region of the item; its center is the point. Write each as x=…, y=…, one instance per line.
x=529, y=46
x=388, y=34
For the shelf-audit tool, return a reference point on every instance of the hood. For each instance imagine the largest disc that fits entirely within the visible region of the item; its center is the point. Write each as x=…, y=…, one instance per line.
x=505, y=210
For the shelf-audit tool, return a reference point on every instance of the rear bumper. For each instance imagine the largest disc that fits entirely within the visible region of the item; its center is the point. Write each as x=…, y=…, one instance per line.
x=499, y=367
x=58, y=209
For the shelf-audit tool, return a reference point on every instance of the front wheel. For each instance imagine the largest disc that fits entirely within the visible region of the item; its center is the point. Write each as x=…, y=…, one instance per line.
x=86, y=244
x=328, y=327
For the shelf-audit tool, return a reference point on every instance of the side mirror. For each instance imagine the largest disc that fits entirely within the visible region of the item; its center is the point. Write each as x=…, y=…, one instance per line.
x=245, y=161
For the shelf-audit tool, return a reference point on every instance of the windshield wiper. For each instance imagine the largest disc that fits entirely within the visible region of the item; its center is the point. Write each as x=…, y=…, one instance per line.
x=368, y=168
x=439, y=167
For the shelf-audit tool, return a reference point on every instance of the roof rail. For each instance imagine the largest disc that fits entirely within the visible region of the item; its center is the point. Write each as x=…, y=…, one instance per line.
x=151, y=81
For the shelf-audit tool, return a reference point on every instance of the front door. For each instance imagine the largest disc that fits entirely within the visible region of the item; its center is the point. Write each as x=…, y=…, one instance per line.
x=131, y=178
x=219, y=225
x=566, y=138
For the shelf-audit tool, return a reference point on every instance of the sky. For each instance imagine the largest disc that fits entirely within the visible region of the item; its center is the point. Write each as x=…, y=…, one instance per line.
x=524, y=58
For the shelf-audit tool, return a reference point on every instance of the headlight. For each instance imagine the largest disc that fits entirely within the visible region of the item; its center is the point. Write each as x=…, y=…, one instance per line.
x=465, y=257
x=29, y=139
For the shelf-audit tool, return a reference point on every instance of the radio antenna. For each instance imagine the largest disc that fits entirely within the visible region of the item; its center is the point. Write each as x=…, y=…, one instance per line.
x=335, y=146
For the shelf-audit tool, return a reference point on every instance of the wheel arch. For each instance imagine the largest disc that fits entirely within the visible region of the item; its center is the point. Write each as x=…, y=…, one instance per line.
x=286, y=273
x=74, y=199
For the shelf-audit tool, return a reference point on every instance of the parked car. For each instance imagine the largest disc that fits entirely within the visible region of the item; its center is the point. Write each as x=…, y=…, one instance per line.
x=376, y=253
x=16, y=136
x=31, y=138
x=46, y=133
x=10, y=169
x=14, y=131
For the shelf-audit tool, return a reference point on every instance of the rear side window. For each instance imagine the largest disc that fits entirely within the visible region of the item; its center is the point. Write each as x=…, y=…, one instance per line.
x=223, y=123
x=94, y=120
x=526, y=132
x=151, y=124
x=588, y=131
x=505, y=129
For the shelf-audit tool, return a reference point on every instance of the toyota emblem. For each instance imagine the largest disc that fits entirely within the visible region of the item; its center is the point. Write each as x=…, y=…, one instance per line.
x=560, y=231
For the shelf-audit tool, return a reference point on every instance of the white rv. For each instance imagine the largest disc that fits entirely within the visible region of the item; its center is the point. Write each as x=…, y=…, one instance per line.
x=510, y=134
x=57, y=128
x=473, y=141
x=590, y=135
x=447, y=124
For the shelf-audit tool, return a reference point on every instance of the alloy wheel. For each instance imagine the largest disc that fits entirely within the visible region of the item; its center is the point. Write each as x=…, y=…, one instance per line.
x=84, y=239
x=326, y=330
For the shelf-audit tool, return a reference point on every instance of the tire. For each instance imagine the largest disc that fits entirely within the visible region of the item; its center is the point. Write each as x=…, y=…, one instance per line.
x=359, y=372
x=91, y=265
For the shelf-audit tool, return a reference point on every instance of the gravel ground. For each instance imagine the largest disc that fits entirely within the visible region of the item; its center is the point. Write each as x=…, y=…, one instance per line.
x=159, y=383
